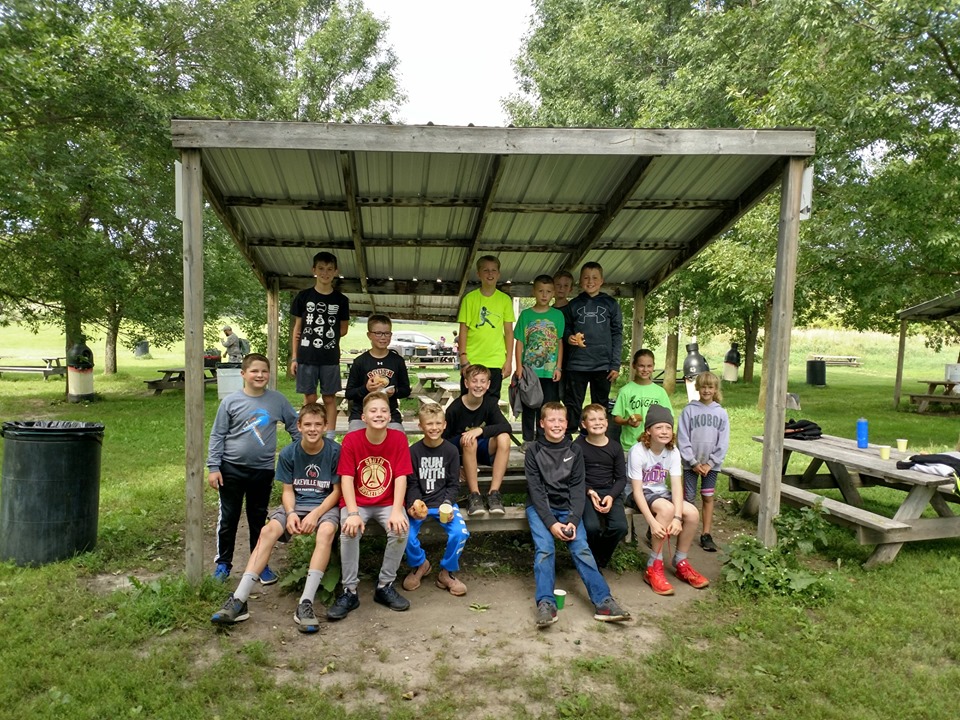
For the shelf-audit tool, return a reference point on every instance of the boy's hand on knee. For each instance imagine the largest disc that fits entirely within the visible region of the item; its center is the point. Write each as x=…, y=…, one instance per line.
x=398, y=521
x=353, y=525
x=293, y=523
x=308, y=524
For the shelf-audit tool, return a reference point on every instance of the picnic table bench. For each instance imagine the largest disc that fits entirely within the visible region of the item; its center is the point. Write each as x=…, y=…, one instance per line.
x=840, y=360
x=949, y=396
x=849, y=468
x=427, y=384
x=51, y=366
x=176, y=378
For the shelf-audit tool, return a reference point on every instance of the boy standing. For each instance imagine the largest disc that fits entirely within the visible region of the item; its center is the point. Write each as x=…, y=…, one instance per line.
x=562, y=287
x=374, y=465
x=240, y=458
x=481, y=432
x=539, y=345
x=379, y=369
x=555, y=499
x=594, y=341
x=311, y=493
x=435, y=481
x=321, y=317
x=606, y=476
x=486, y=327
x=636, y=397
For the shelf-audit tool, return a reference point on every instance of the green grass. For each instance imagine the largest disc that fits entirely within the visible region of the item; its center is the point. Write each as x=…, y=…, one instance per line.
x=885, y=646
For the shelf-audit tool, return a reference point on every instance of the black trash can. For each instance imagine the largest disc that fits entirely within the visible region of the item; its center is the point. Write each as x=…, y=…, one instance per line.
x=141, y=348
x=50, y=492
x=817, y=372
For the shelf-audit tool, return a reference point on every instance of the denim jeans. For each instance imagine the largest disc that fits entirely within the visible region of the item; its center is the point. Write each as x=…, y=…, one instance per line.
x=457, y=535
x=544, y=569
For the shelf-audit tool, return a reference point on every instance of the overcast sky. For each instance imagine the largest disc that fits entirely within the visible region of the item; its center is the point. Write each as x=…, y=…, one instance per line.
x=455, y=56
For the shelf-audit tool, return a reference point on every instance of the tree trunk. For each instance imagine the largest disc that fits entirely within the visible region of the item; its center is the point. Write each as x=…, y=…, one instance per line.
x=110, y=351
x=751, y=327
x=673, y=342
x=764, y=376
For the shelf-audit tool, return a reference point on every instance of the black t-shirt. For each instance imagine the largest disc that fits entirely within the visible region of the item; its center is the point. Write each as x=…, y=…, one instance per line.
x=460, y=418
x=320, y=317
x=436, y=474
x=392, y=367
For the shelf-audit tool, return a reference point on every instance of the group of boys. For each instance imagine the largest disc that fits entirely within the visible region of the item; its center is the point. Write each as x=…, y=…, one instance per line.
x=327, y=486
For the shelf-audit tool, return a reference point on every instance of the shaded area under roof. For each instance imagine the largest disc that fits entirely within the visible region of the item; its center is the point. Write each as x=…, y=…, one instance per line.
x=944, y=307
x=409, y=209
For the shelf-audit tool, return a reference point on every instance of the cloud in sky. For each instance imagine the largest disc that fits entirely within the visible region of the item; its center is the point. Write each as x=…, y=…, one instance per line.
x=455, y=56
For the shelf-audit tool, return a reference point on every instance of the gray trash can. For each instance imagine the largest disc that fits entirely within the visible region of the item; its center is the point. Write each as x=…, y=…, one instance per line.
x=229, y=379
x=817, y=372
x=50, y=493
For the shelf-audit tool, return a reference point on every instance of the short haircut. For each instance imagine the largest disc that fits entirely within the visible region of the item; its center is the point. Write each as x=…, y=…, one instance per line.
x=593, y=407
x=312, y=408
x=378, y=320
x=553, y=406
x=591, y=266
x=474, y=370
x=542, y=280
x=433, y=411
x=378, y=395
x=561, y=274
x=251, y=358
x=708, y=379
x=324, y=257
x=642, y=352
x=487, y=258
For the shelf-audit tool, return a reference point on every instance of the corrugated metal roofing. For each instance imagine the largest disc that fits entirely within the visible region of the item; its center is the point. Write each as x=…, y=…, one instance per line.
x=423, y=202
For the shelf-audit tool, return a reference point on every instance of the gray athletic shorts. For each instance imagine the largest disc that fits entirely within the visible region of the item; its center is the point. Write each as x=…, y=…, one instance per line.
x=280, y=515
x=309, y=377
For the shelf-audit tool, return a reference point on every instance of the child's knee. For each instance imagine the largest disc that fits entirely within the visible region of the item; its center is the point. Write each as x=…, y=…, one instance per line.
x=690, y=511
x=503, y=441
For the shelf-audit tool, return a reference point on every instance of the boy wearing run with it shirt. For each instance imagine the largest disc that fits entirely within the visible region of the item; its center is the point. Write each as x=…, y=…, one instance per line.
x=374, y=466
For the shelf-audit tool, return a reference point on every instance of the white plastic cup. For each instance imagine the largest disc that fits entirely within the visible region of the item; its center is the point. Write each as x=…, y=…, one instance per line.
x=884, y=452
x=446, y=513
x=902, y=444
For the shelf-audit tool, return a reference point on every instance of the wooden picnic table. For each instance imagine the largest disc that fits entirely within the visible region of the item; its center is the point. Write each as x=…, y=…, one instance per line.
x=51, y=366
x=427, y=385
x=841, y=360
x=949, y=396
x=176, y=378
x=836, y=462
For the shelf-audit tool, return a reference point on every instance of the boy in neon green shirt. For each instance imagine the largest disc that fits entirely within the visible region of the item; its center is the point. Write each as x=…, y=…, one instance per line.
x=486, y=327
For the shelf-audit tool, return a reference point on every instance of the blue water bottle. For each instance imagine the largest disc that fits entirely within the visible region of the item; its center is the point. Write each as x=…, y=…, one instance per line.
x=862, y=433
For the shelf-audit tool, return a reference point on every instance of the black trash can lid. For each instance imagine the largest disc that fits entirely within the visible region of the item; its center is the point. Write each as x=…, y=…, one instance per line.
x=51, y=428
x=229, y=366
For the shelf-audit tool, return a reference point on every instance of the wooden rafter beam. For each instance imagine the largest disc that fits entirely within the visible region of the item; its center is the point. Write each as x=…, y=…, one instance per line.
x=494, y=177
x=733, y=212
x=350, y=189
x=445, y=288
x=618, y=198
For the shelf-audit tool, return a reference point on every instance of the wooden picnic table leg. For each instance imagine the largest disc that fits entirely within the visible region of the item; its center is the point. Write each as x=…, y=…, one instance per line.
x=916, y=502
x=847, y=487
x=938, y=503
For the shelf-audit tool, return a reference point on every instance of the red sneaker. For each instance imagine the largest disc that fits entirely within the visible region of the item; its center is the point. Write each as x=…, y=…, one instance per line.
x=654, y=577
x=686, y=573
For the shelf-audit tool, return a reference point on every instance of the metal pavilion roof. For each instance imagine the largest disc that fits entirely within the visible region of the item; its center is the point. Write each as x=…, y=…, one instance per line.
x=408, y=209
x=945, y=307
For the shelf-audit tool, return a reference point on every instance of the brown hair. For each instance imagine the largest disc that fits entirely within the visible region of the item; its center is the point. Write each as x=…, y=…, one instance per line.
x=430, y=412
x=325, y=257
x=475, y=370
x=553, y=405
x=312, y=408
x=593, y=407
x=378, y=320
x=251, y=358
x=645, y=439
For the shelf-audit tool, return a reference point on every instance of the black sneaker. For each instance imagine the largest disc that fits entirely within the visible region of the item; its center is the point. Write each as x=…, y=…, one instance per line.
x=344, y=604
x=475, y=505
x=388, y=595
x=707, y=543
x=305, y=618
x=495, y=503
x=233, y=611
x=609, y=611
x=546, y=613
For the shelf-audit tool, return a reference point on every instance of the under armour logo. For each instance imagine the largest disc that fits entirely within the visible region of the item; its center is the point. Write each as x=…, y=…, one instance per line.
x=599, y=315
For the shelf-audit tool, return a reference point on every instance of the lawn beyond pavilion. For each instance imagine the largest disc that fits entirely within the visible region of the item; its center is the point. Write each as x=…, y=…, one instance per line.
x=80, y=641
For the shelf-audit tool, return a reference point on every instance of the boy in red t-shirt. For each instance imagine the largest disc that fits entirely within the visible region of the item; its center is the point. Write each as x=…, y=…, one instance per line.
x=373, y=468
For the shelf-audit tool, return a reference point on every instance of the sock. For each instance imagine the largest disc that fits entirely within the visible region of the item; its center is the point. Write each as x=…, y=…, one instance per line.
x=679, y=557
x=313, y=582
x=247, y=582
x=653, y=558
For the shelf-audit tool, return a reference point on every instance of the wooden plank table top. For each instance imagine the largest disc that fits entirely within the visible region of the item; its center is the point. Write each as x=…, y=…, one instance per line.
x=950, y=387
x=836, y=462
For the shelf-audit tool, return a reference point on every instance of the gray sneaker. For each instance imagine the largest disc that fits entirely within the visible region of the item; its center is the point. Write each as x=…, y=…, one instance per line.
x=609, y=611
x=475, y=505
x=495, y=503
x=233, y=611
x=305, y=619
x=546, y=613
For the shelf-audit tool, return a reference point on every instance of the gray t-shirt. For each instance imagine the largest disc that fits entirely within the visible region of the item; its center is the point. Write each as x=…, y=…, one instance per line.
x=245, y=430
x=312, y=476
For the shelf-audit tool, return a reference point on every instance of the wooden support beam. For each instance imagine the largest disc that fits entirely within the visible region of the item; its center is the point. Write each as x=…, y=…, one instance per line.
x=901, y=350
x=273, y=330
x=639, y=314
x=778, y=354
x=194, y=445
x=356, y=231
x=236, y=232
x=494, y=176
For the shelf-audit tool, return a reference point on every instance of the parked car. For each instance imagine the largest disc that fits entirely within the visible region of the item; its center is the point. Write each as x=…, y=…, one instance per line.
x=416, y=344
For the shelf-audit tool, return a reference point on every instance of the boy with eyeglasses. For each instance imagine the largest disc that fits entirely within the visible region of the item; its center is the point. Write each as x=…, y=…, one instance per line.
x=379, y=369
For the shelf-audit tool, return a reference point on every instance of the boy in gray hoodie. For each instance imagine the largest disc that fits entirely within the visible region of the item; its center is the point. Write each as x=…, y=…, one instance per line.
x=555, y=498
x=703, y=440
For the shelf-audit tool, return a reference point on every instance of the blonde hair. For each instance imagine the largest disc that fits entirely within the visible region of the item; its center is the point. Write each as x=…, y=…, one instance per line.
x=708, y=379
x=378, y=395
x=431, y=412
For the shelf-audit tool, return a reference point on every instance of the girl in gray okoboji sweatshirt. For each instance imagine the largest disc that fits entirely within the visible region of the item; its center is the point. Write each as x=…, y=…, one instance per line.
x=703, y=440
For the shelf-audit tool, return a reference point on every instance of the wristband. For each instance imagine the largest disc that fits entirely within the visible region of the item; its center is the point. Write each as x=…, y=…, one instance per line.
x=353, y=514
x=679, y=518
